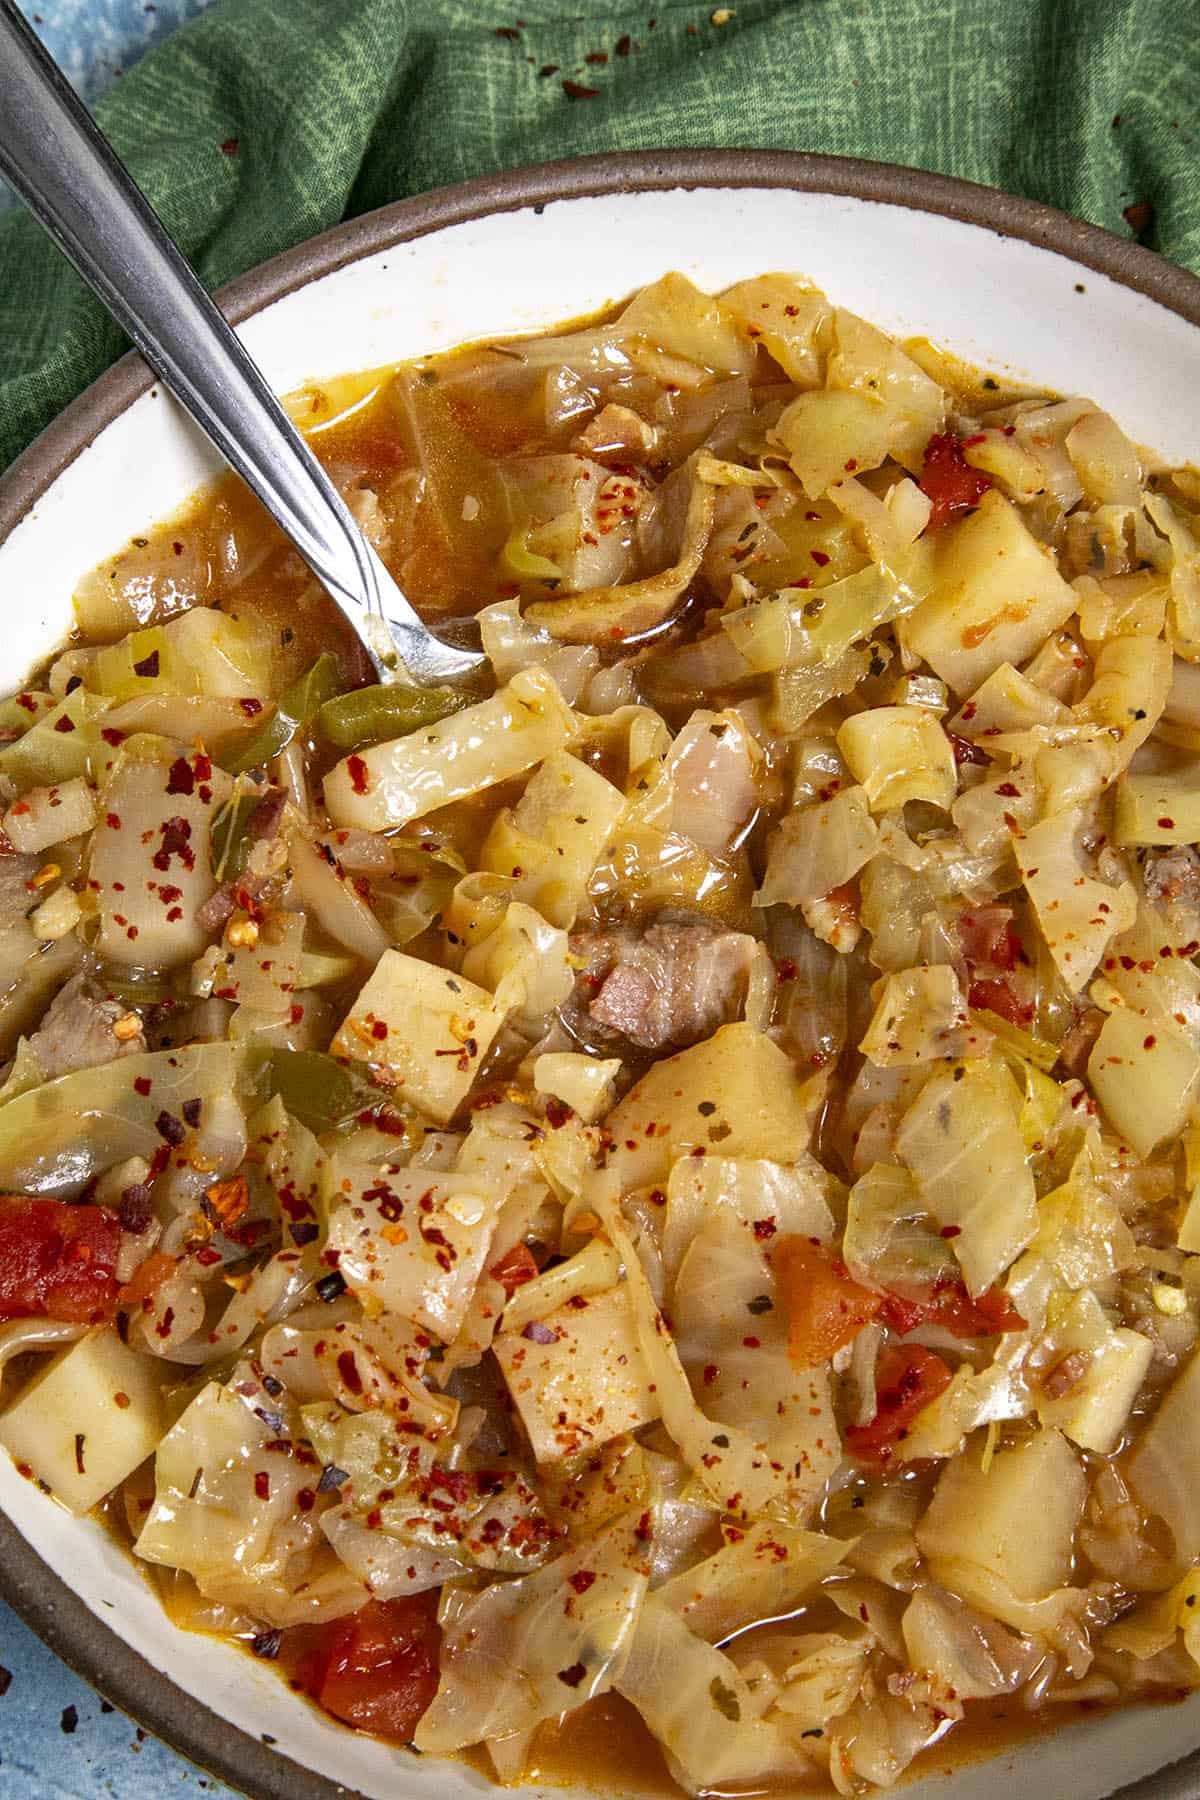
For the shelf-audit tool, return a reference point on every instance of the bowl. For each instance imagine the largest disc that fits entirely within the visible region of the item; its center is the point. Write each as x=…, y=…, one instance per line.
x=1002, y=282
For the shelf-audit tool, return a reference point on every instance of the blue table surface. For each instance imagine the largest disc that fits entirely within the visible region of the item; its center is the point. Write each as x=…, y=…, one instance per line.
x=58, y=1740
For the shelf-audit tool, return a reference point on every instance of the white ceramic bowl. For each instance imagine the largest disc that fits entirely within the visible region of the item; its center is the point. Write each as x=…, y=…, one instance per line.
x=1003, y=283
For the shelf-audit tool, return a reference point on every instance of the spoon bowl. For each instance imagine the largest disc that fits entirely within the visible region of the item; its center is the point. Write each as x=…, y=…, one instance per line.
x=56, y=158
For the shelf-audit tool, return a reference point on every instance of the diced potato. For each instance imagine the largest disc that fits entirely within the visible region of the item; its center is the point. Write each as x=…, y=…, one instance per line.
x=414, y=1242
x=996, y=594
x=1016, y=1522
x=583, y=1082
x=549, y=843
x=1145, y=1072
x=1093, y=1413
x=736, y=1094
x=151, y=863
x=577, y=1376
x=50, y=815
x=899, y=753
x=86, y=1420
x=408, y=777
x=962, y=1141
x=428, y=1028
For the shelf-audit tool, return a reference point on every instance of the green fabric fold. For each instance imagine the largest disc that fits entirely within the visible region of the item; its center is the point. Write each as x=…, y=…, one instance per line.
x=265, y=121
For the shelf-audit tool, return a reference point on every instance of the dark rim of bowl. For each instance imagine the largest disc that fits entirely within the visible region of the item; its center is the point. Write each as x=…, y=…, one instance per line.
x=55, y=1612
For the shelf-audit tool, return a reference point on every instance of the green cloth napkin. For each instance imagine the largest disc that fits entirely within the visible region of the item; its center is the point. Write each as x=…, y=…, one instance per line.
x=264, y=121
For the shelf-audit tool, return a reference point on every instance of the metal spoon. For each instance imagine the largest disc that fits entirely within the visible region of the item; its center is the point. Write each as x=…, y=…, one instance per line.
x=69, y=176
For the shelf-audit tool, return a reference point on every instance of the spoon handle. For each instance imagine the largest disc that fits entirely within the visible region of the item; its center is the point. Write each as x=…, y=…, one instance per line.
x=59, y=162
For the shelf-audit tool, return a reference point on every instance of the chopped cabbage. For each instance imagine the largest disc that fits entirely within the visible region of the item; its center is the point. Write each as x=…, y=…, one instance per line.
x=961, y=1139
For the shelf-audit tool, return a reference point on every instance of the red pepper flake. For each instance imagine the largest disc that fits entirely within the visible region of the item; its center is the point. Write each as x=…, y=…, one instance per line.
x=574, y=90
x=112, y=736
x=574, y=1675
x=358, y=773
x=597, y=57
x=582, y=1580
x=821, y=560
x=623, y=45
x=379, y=1029
x=64, y=724
x=143, y=1084
x=170, y=1128
x=546, y=70
x=1166, y=824
x=250, y=706
x=262, y=1485
x=765, y=1228
x=950, y=1231
x=752, y=1343
x=347, y=1368
x=148, y=667
x=1139, y=216
x=28, y=702
x=1149, y=1042
x=1009, y=790
x=181, y=778
x=228, y=147
x=306, y=1499
x=507, y=31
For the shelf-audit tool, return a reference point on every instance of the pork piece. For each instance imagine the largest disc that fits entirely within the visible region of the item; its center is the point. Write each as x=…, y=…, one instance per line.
x=1172, y=877
x=664, y=986
x=616, y=431
x=81, y=1029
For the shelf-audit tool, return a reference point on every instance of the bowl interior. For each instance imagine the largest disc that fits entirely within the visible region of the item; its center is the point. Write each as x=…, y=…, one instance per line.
x=999, y=301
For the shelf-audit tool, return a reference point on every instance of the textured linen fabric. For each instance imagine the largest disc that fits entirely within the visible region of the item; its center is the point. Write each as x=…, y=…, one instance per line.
x=264, y=121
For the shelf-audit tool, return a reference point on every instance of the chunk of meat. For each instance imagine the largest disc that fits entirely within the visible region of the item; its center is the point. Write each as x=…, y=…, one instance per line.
x=616, y=431
x=1172, y=877
x=669, y=985
x=81, y=1029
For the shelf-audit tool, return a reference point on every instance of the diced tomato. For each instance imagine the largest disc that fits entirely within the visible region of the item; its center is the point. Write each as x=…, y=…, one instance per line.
x=57, y=1261
x=826, y=1306
x=991, y=994
x=949, y=480
x=951, y=1306
x=907, y=1378
x=987, y=1315
x=988, y=938
x=147, y=1277
x=514, y=1268
x=378, y=1668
